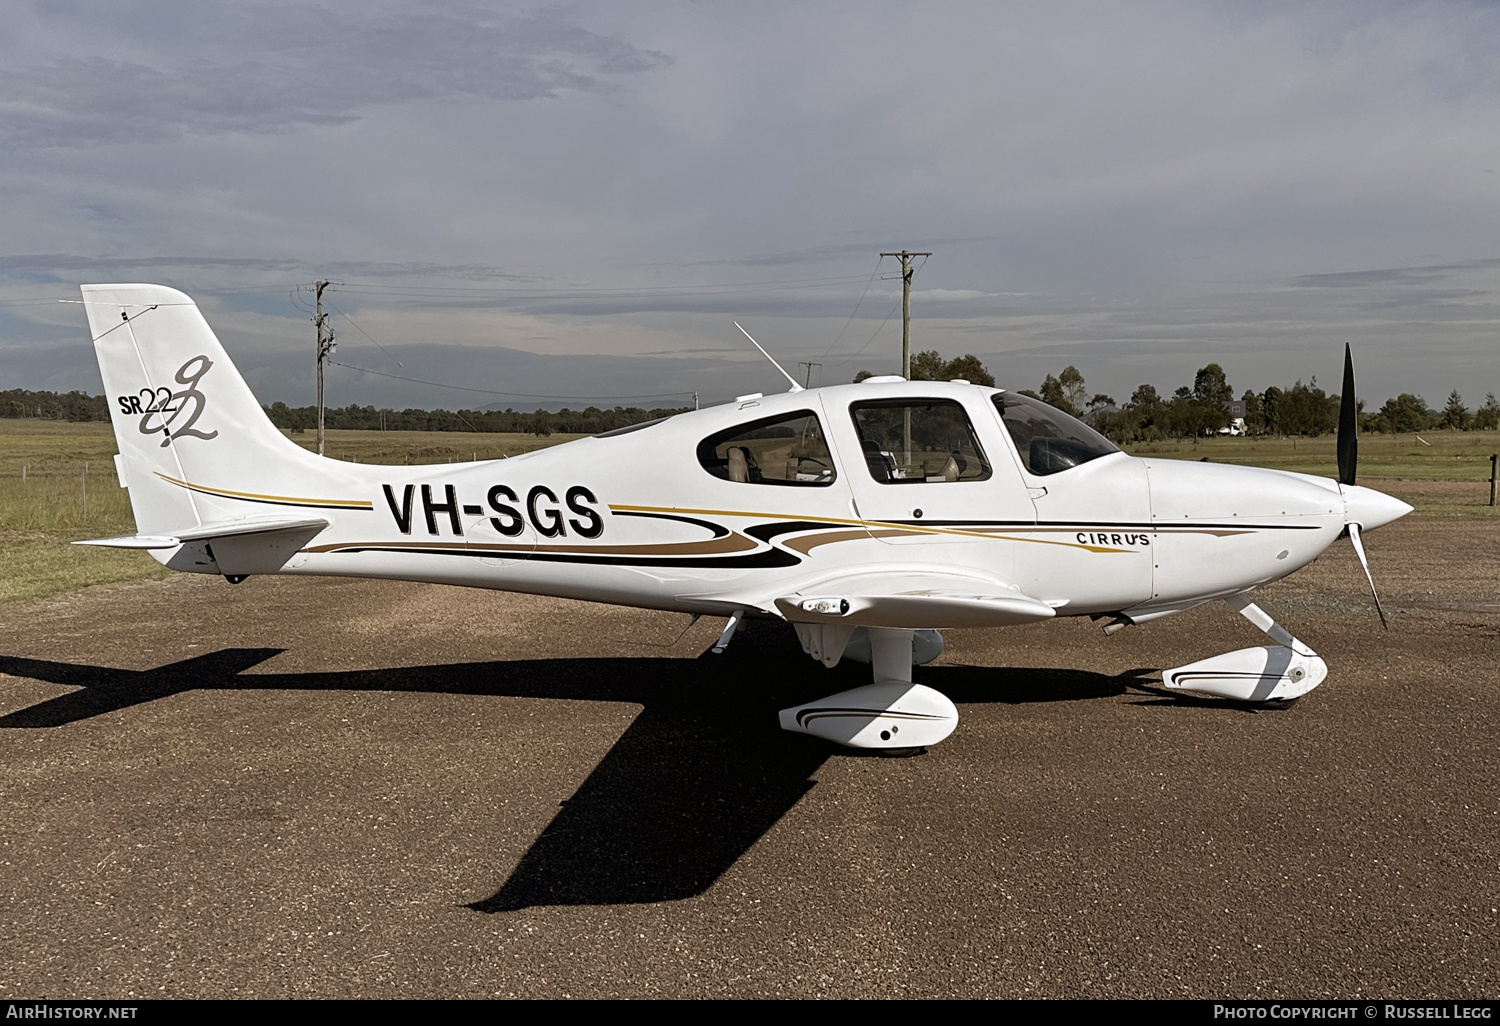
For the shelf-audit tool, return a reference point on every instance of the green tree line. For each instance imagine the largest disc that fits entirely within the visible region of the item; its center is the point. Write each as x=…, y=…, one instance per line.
x=74, y=406
x=1190, y=411
x=1208, y=407
x=588, y=421
x=1205, y=407
x=80, y=406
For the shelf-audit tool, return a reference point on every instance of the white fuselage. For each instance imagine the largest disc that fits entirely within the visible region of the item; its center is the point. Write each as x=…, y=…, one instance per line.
x=637, y=518
x=888, y=507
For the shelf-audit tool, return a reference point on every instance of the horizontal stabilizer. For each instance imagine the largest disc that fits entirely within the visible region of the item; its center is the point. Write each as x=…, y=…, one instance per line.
x=211, y=532
x=234, y=548
x=133, y=541
x=915, y=600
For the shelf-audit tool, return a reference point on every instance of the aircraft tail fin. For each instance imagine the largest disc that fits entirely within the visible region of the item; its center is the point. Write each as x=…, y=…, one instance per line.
x=196, y=448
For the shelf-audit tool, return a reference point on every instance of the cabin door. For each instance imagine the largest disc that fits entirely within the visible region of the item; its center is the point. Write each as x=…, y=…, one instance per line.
x=931, y=475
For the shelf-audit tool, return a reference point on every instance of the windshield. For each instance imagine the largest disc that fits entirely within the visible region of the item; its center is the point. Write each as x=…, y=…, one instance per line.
x=1048, y=439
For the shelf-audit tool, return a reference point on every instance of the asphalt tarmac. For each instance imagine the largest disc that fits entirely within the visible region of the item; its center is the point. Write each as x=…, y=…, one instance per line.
x=329, y=788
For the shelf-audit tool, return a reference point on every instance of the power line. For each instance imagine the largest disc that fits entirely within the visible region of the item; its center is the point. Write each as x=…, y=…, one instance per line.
x=366, y=334
x=601, y=295
x=534, y=292
x=870, y=281
x=894, y=307
x=242, y=289
x=579, y=290
x=897, y=305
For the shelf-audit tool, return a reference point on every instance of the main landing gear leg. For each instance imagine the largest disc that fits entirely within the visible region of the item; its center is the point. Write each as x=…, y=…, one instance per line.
x=890, y=713
x=1272, y=674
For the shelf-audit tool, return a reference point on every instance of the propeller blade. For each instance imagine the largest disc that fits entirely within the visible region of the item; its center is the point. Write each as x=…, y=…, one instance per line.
x=1359, y=550
x=1348, y=424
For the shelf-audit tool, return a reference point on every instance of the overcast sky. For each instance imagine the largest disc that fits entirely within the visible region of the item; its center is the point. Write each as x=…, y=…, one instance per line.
x=578, y=200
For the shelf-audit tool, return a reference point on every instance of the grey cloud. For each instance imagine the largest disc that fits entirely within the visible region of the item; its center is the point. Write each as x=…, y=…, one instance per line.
x=73, y=262
x=1366, y=279
x=270, y=68
x=1389, y=275
x=59, y=366
x=1167, y=178
x=1428, y=300
x=817, y=254
x=282, y=375
x=342, y=268
x=757, y=304
x=473, y=375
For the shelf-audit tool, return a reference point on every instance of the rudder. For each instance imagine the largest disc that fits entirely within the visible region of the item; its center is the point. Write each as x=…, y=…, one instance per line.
x=193, y=438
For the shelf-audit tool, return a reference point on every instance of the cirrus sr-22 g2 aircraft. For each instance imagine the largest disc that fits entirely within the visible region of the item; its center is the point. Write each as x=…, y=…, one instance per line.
x=869, y=516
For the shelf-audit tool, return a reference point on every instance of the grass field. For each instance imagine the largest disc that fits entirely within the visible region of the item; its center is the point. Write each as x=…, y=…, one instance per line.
x=1440, y=456
x=58, y=485
x=1445, y=473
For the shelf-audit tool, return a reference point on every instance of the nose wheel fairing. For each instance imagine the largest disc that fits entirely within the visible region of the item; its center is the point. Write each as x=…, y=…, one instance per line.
x=1267, y=673
x=894, y=713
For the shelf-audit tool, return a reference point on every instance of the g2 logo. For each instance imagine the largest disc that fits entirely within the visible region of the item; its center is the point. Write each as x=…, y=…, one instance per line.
x=160, y=408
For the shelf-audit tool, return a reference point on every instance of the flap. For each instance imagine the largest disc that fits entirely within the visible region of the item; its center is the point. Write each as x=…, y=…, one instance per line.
x=916, y=600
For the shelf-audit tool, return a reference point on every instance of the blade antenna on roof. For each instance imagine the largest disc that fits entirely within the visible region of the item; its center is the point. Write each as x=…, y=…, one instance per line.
x=795, y=387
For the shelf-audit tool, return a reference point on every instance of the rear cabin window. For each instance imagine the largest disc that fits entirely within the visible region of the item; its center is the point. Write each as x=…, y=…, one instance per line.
x=906, y=441
x=1047, y=439
x=786, y=450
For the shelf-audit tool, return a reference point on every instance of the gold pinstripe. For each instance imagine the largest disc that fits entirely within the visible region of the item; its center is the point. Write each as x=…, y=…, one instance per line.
x=879, y=525
x=290, y=500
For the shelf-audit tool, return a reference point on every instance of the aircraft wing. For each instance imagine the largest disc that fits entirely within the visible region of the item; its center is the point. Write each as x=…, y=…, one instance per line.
x=915, y=600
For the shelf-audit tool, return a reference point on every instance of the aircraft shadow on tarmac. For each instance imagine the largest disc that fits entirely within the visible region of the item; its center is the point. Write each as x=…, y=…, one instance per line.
x=699, y=776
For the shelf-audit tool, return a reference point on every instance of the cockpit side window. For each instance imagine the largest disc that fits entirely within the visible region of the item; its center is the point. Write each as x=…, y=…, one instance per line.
x=907, y=441
x=786, y=450
x=1048, y=440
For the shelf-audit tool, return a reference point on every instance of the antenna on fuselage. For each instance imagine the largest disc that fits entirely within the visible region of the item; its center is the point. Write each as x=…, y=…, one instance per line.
x=795, y=387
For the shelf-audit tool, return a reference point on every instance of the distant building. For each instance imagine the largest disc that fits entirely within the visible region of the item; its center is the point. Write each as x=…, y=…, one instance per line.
x=1236, y=410
x=1092, y=415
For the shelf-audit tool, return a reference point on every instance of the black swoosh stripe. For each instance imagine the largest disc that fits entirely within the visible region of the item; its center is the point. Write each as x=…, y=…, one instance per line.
x=766, y=558
x=765, y=532
x=719, y=531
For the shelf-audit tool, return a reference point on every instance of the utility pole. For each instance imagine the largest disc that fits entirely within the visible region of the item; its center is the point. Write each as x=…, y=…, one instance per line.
x=325, y=351
x=807, y=378
x=906, y=275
